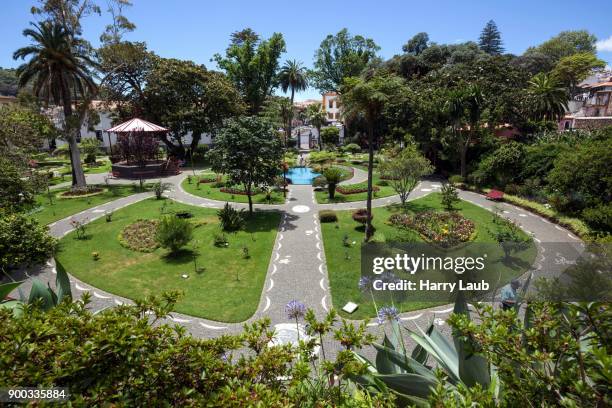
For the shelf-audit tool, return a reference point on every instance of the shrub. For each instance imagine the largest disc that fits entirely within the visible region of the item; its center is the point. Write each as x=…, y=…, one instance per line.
x=230, y=218
x=23, y=241
x=456, y=179
x=355, y=188
x=378, y=238
x=207, y=179
x=352, y=148
x=95, y=256
x=159, y=188
x=140, y=236
x=495, y=195
x=361, y=216
x=328, y=216
x=220, y=239
x=319, y=182
x=173, y=233
x=330, y=135
x=449, y=196
x=599, y=218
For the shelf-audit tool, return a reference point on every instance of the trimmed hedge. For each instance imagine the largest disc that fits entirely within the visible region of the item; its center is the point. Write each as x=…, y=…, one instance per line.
x=328, y=216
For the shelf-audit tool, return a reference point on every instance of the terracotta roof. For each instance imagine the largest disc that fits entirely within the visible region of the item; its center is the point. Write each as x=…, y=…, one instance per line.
x=136, y=124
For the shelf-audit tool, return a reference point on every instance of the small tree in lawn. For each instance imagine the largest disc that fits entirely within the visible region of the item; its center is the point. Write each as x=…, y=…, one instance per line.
x=174, y=233
x=249, y=152
x=405, y=170
x=450, y=196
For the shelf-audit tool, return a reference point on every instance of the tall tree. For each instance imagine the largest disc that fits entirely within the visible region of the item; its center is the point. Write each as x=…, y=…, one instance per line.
x=490, y=39
x=368, y=96
x=573, y=69
x=417, y=44
x=186, y=97
x=252, y=65
x=278, y=110
x=67, y=13
x=547, y=98
x=249, y=152
x=293, y=76
x=341, y=56
x=317, y=118
x=566, y=43
x=113, y=33
x=59, y=67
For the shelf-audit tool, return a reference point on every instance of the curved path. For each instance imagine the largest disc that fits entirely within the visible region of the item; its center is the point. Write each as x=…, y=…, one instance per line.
x=297, y=268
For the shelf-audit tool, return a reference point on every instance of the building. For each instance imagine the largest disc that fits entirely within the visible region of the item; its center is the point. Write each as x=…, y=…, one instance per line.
x=592, y=108
x=331, y=106
x=97, y=128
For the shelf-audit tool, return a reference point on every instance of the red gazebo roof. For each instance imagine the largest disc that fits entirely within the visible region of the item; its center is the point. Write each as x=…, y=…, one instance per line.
x=136, y=124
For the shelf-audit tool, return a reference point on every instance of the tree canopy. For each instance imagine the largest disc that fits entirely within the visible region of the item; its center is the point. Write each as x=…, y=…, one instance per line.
x=252, y=65
x=490, y=39
x=341, y=56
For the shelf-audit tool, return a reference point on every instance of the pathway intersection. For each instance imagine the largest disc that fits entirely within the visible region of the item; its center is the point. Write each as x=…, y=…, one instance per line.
x=297, y=268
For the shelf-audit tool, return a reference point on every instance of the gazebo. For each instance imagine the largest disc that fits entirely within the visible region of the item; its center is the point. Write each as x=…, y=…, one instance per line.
x=136, y=151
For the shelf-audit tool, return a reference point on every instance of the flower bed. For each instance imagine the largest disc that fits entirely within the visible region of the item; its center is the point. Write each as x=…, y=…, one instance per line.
x=140, y=236
x=495, y=195
x=239, y=191
x=354, y=188
x=207, y=179
x=80, y=193
x=446, y=229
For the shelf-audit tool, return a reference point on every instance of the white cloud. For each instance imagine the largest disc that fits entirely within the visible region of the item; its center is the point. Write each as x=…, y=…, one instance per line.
x=604, y=45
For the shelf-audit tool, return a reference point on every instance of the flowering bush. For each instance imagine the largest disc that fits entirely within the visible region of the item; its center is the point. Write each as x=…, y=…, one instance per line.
x=442, y=228
x=361, y=216
x=495, y=195
x=207, y=179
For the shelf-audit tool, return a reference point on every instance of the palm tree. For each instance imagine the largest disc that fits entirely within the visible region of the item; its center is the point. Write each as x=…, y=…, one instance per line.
x=368, y=97
x=548, y=97
x=295, y=77
x=58, y=67
x=317, y=118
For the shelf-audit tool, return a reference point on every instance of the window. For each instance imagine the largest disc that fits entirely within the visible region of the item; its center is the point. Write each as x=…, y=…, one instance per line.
x=330, y=115
x=331, y=104
x=99, y=135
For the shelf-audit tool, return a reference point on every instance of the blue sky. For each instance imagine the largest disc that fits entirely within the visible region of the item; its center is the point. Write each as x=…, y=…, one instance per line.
x=196, y=30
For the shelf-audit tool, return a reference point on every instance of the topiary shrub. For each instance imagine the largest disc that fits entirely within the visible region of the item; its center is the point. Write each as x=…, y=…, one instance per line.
x=352, y=148
x=328, y=216
x=230, y=218
x=173, y=233
x=140, y=236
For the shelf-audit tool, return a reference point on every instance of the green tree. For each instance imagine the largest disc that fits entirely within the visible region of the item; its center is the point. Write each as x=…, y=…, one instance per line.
x=333, y=176
x=547, y=99
x=330, y=135
x=292, y=76
x=367, y=96
x=249, y=152
x=575, y=68
x=174, y=233
x=113, y=33
x=278, y=110
x=59, y=67
x=23, y=131
x=187, y=97
x=252, y=65
x=341, y=56
x=565, y=44
x=317, y=118
x=417, y=44
x=490, y=39
x=405, y=170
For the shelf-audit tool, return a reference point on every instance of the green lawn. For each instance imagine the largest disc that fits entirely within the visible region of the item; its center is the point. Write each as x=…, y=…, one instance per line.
x=385, y=191
x=214, y=293
x=343, y=263
x=47, y=211
x=207, y=190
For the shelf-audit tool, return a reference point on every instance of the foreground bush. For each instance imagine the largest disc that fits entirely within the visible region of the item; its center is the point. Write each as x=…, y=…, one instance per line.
x=23, y=241
x=328, y=216
x=119, y=358
x=230, y=218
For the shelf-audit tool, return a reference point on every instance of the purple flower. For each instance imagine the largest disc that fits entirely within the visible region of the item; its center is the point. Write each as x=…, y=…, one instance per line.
x=364, y=283
x=295, y=309
x=387, y=314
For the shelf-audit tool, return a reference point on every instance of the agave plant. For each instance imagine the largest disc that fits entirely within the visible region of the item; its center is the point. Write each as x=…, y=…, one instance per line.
x=47, y=296
x=411, y=377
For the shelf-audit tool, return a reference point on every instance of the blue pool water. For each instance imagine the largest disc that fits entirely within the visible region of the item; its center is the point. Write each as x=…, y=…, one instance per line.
x=301, y=175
